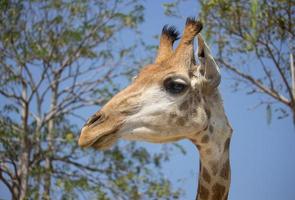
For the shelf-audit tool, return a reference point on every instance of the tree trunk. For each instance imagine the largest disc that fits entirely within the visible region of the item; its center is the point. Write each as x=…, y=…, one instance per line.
x=38, y=154
x=48, y=169
x=24, y=150
x=24, y=165
x=50, y=136
x=15, y=190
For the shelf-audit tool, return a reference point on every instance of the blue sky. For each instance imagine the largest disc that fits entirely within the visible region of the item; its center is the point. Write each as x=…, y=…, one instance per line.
x=262, y=155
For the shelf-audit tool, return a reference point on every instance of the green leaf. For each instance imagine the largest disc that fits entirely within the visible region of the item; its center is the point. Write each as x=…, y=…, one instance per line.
x=38, y=51
x=254, y=6
x=254, y=10
x=73, y=35
x=170, y=9
x=88, y=53
x=59, y=183
x=69, y=136
x=57, y=20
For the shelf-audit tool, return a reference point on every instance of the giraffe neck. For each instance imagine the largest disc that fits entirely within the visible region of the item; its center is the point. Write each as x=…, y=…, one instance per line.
x=213, y=145
x=214, y=176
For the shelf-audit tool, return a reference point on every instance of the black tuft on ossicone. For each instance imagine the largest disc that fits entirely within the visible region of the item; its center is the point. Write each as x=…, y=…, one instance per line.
x=170, y=32
x=194, y=22
x=190, y=20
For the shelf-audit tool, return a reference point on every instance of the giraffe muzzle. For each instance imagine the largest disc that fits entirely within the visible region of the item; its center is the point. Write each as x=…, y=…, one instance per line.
x=100, y=130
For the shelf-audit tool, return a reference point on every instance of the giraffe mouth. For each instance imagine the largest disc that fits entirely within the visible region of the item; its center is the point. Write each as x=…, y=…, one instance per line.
x=105, y=141
x=98, y=137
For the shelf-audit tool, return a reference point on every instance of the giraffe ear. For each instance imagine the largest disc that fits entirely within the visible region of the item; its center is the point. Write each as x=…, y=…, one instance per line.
x=208, y=68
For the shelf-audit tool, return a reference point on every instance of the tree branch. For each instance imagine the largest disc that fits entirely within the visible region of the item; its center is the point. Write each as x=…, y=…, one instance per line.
x=255, y=82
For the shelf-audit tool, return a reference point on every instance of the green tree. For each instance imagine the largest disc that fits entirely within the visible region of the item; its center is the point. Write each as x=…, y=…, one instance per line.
x=56, y=58
x=255, y=43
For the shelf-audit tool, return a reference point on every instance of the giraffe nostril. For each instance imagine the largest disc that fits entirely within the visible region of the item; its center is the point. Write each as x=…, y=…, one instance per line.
x=96, y=118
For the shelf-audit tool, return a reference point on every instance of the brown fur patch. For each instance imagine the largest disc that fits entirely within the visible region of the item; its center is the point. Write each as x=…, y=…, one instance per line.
x=224, y=173
x=226, y=145
x=180, y=121
x=208, y=113
x=197, y=97
x=191, y=72
x=208, y=151
x=202, y=72
x=205, y=139
x=203, y=192
x=206, y=128
x=211, y=129
x=172, y=116
x=206, y=175
x=214, y=167
x=184, y=106
x=226, y=196
x=218, y=191
x=195, y=111
x=191, y=100
x=193, y=141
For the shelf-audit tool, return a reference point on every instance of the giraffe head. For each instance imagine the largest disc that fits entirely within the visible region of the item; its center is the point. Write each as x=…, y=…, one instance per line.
x=169, y=100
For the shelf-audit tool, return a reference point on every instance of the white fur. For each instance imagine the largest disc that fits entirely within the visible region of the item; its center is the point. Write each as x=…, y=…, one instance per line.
x=150, y=123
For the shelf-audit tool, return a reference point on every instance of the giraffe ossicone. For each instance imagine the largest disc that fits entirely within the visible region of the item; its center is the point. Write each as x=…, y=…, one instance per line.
x=172, y=99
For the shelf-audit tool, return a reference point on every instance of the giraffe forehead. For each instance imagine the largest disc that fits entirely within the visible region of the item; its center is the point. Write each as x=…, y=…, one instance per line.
x=148, y=86
x=155, y=73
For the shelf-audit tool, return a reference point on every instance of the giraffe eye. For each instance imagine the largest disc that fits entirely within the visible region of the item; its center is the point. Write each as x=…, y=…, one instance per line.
x=175, y=86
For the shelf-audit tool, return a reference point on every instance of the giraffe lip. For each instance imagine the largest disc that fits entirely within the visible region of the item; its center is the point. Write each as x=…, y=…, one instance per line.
x=97, y=138
x=105, y=141
x=100, y=140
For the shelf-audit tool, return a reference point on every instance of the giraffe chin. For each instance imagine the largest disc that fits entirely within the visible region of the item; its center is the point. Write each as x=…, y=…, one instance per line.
x=105, y=142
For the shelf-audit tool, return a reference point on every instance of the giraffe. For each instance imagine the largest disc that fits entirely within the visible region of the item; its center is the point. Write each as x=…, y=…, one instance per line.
x=172, y=99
